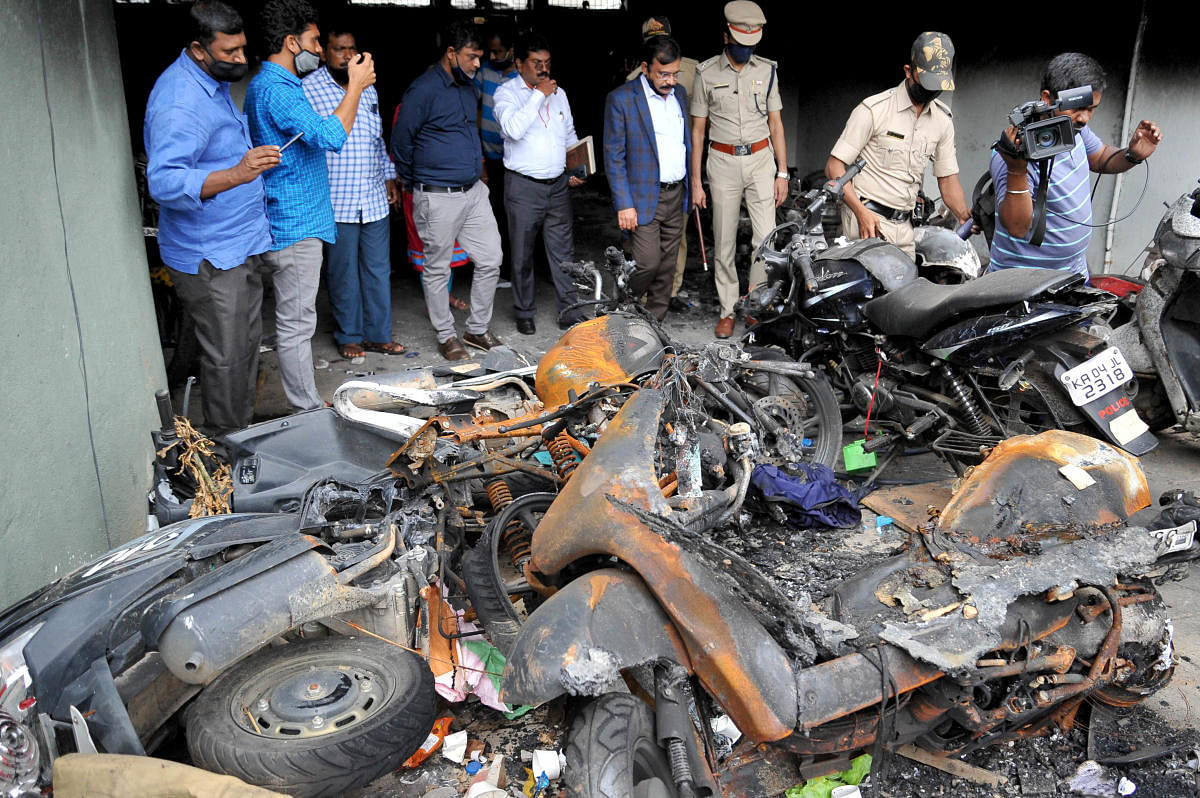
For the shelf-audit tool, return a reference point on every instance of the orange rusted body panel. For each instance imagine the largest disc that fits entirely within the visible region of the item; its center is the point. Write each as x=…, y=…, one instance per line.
x=732, y=654
x=582, y=356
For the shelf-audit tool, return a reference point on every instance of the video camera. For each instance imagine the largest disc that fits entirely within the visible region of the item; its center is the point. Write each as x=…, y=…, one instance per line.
x=1041, y=134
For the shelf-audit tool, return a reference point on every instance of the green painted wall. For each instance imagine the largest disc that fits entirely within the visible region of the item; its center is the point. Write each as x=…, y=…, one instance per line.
x=78, y=340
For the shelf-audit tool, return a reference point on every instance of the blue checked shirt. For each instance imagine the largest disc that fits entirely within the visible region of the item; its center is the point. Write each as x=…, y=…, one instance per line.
x=358, y=172
x=298, y=205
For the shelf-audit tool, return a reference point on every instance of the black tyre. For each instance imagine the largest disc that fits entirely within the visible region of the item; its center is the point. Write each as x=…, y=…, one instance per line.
x=799, y=402
x=256, y=720
x=612, y=752
x=492, y=569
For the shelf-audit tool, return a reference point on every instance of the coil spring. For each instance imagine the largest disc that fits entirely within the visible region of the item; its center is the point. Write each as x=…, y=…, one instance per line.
x=563, y=454
x=499, y=494
x=514, y=538
x=681, y=768
x=974, y=415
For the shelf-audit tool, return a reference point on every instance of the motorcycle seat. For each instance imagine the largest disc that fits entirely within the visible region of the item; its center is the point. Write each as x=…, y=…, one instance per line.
x=919, y=307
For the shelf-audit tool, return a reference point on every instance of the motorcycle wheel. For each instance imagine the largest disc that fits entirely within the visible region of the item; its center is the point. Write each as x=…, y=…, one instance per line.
x=255, y=721
x=612, y=752
x=492, y=572
x=822, y=418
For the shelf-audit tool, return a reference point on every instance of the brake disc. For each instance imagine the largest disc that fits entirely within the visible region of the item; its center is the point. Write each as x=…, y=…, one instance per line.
x=790, y=412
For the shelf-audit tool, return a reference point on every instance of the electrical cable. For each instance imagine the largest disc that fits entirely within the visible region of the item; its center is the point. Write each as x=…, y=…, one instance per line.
x=1136, y=205
x=62, y=218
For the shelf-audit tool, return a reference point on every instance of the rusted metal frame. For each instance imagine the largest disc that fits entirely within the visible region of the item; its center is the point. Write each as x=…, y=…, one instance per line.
x=456, y=472
x=839, y=687
x=1059, y=662
x=737, y=660
x=753, y=771
x=778, y=367
x=589, y=397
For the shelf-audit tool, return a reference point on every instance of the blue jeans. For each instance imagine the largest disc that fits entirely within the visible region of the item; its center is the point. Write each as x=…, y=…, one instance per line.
x=360, y=292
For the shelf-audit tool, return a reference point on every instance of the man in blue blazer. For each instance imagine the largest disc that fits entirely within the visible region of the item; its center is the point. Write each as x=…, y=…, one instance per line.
x=647, y=151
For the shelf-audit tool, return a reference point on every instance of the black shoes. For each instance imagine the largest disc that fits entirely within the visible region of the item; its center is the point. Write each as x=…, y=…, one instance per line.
x=526, y=326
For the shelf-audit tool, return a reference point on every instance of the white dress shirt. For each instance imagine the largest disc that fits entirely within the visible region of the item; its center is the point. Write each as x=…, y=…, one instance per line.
x=667, y=118
x=537, y=129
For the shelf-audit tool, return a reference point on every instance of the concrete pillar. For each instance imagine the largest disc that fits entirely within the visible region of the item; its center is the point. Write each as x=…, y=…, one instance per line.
x=78, y=340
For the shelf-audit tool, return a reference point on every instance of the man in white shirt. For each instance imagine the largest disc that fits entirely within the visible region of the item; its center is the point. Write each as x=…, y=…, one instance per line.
x=535, y=120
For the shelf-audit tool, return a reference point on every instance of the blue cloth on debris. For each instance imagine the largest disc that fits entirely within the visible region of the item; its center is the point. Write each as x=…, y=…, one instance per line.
x=817, y=499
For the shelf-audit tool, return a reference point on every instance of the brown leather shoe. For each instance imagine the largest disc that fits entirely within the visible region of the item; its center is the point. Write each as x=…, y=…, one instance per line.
x=750, y=322
x=724, y=327
x=485, y=340
x=452, y=349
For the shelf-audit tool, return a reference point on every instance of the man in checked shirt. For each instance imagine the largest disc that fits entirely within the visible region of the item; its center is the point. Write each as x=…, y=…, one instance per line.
x=362, y=183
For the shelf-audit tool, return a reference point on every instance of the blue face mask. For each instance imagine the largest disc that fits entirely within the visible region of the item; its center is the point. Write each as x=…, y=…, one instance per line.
x=739, y=53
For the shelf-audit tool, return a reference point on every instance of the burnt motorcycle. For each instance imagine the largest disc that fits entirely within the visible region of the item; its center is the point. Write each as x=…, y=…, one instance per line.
x=1161, y=339
x=982, y=629
x=957, y=368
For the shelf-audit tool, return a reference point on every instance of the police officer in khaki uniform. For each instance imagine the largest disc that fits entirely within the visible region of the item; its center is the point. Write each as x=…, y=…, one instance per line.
x=899, y=132
x=661, y=26
x=737, y=95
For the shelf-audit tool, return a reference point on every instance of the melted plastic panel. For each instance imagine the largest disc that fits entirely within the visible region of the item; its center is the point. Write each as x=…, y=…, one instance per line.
x=887, y=263
x=1022, y=486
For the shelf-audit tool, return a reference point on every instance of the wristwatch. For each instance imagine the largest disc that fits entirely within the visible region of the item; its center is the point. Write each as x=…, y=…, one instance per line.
x=784, y=175
x=1133, y=159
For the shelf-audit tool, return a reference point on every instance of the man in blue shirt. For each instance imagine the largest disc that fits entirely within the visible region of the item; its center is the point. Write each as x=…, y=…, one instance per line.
x=298, y=204
x=205, y=175
x=362, y=184
x=435, y=143
x=1068, y=200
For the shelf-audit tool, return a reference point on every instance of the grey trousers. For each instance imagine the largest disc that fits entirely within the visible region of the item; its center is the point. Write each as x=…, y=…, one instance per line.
x=531, y=206
x=467, y=216
x=227, y=309
x=296, y=272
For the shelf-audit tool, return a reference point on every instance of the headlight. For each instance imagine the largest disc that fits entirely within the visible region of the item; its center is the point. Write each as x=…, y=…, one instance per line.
x=15, y=680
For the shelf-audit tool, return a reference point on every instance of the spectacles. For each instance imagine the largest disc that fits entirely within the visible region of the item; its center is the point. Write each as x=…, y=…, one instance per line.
x=666, y=75
x=538, y=63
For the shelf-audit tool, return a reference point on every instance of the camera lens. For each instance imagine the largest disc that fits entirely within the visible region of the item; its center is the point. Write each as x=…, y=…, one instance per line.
x=1045, y=139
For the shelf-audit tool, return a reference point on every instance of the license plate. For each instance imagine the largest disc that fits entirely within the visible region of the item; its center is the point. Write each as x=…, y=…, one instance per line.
x=1097, y=376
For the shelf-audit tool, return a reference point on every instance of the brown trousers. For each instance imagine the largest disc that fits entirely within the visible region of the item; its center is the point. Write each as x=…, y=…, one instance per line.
x=655, y=248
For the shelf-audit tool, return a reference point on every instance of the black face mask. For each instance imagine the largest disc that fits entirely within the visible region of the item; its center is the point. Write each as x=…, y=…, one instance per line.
x=501, y=66
x=226, y=71
x=341, y=75
x=919, y=94
x=739, y=53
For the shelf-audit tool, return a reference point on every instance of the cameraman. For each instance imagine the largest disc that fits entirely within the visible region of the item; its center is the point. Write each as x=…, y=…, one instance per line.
x=1068, y=201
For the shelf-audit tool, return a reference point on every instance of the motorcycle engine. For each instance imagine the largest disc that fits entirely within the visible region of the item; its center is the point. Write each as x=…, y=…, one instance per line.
x=865, y=386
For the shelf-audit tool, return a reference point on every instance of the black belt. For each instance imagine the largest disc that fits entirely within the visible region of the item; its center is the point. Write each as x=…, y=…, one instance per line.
x=887, y=213
x=669, y=186
x=545, y=181
x=444, y=189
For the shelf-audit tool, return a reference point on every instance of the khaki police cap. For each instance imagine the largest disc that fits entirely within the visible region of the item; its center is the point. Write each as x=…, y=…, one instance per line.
x=933, y=61
x=745, y=21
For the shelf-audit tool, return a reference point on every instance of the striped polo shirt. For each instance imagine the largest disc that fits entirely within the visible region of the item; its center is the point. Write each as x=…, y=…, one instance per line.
x=1068, y=212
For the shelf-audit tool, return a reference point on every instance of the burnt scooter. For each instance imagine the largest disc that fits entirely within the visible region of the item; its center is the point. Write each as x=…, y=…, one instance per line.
x=285, y=644
x=955, y=367
x=961, y=640
x=1162, y=339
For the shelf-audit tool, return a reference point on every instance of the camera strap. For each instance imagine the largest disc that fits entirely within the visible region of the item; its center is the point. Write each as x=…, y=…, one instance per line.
x=1039, y=203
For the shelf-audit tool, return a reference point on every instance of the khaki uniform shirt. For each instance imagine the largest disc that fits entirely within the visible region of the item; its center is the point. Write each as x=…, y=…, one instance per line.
x=736, y=102
x=884, y=129
x=687, y=74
